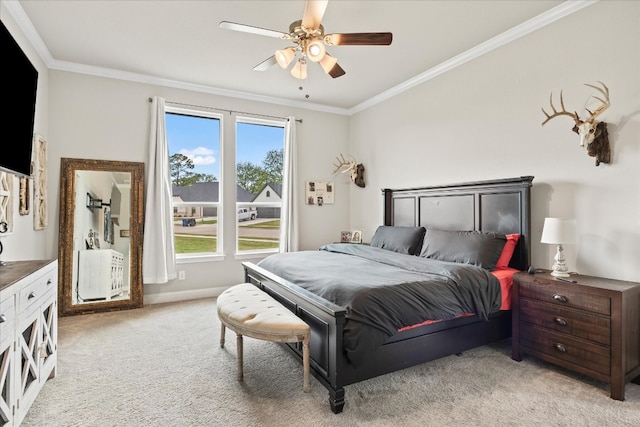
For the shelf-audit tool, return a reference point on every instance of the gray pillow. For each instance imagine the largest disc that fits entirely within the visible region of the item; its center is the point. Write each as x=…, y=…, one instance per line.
x=468, y=247
x=404, y=240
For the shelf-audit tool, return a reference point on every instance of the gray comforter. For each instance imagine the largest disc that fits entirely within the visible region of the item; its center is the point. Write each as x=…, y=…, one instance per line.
x=383, y=291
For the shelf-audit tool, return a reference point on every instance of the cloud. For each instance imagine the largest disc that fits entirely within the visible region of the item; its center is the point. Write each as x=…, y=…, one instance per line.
x=201, y=156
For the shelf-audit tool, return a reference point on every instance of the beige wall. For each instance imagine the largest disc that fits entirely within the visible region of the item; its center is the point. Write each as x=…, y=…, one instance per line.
x=101, y=118
x=483, y=121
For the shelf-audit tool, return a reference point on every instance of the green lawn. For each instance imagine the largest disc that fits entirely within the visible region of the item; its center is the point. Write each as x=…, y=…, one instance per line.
x=197, y=244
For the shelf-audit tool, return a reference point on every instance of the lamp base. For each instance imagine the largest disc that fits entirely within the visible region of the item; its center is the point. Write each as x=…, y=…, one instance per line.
x=559, y=267
x=560, y=274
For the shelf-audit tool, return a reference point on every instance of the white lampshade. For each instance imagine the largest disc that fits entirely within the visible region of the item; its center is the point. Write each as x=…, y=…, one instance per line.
x=299, y=71
x=285, y=56
x=316, y=51
x=559, y=231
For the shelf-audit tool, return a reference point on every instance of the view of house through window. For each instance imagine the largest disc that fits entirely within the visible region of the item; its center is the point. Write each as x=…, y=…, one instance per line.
x=259, y=172
x=195, y=154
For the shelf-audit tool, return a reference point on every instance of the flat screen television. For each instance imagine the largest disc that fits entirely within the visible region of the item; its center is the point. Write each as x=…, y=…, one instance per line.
x=18, y=99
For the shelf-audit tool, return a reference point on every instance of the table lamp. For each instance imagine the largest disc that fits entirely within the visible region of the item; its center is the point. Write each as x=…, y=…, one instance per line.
x=557, y=231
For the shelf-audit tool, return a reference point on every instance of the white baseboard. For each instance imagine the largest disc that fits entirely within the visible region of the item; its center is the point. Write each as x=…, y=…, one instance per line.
x=182, y=295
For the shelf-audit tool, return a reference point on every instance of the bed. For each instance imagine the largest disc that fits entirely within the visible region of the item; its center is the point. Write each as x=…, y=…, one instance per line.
x=489, y=210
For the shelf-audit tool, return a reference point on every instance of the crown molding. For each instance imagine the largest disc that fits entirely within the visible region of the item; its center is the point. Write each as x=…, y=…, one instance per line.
x=567, y=8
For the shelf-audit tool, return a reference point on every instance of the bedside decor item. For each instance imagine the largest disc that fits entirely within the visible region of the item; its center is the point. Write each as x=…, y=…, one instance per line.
x=356, y=236
x=593, y=134
x=345, y=237
x=557, y=231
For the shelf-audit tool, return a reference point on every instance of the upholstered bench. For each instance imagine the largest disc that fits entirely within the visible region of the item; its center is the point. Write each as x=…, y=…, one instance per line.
x=249, y=311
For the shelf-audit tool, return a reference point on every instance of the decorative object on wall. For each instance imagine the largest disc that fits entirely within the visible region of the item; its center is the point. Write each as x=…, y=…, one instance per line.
x=6, y=201
x=593, y=133
x=356, y=169
x=25, y=192
x=40, y=219
x=319, y=192
x=556, y=231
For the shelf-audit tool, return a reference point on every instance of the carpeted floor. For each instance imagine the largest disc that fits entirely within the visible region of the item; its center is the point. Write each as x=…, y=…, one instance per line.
x=162, y=365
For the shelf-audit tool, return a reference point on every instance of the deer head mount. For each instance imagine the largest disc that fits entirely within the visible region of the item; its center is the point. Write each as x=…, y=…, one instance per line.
x=593, y=133
x=356, y=169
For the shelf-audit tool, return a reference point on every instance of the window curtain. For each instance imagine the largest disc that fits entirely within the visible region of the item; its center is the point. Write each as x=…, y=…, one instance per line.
x=289, y=214
x=158, y=252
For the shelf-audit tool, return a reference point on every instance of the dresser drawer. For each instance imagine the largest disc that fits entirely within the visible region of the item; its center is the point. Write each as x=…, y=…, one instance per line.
x=565, y=296
x=577, y=323
x=7, y=317
x=575, y=351
x=31, y=294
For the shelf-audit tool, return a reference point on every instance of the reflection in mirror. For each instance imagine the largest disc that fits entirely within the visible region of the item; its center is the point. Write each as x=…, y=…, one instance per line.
x=100, y=235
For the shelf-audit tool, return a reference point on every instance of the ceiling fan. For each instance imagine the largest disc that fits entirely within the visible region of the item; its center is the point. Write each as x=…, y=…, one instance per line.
x=309, y=42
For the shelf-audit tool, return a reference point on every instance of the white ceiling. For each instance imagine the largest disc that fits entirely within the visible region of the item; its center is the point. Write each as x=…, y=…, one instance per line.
x=179, y=43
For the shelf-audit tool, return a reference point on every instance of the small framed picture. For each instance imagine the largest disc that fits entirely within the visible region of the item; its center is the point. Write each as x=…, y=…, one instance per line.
x=124, y=233
x=345, y=237
x=356, y=236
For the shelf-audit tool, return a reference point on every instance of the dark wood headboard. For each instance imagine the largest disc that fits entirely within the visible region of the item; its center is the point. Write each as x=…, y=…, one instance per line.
x=500, y=205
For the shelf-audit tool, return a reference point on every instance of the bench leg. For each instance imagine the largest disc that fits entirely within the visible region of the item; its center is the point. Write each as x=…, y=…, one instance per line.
x=222, y=330
x=239, y=350
x=305, y=363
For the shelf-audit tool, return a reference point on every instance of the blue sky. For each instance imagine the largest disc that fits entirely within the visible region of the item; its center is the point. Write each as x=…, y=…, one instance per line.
x=199, y=139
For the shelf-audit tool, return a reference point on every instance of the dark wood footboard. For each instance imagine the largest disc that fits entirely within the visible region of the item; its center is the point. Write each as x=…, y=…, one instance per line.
x=329, y=364
x=326, y=321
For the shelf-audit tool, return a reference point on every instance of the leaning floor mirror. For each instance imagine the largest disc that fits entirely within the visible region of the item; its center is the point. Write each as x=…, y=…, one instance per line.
x=100, y=238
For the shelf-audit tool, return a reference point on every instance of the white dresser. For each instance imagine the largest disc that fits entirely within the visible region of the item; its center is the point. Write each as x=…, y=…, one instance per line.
x=28, y=334
x=100, y=274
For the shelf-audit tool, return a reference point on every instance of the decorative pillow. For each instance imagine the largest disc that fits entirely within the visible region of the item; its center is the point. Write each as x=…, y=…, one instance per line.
x=468, y=247
x=507, y=251
x=405, y=240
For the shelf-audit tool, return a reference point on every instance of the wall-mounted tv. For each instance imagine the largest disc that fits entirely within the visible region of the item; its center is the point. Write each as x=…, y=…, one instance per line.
x=18, y=100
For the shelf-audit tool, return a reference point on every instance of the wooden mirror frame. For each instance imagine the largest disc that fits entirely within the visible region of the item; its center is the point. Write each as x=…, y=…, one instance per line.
x=68, y=168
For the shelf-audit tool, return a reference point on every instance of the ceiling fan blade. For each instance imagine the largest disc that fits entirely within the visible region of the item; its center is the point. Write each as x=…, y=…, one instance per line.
x=336, y=71
x=266, y=64
x=362, y=39
x=253, y=30
x=313, y=13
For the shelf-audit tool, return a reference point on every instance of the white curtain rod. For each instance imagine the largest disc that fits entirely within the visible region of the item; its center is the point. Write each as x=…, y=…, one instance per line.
x=227, y=110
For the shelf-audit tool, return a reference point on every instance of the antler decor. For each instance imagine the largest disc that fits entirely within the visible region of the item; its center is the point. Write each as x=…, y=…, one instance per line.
x=356, y=170
x=592, y=133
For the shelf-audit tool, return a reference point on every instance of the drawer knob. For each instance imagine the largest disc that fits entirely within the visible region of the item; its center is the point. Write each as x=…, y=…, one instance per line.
x=559, y=347
x=31, y=295
x=50, y=281
x=560, y=321
x=560, y=298
x=3, y=318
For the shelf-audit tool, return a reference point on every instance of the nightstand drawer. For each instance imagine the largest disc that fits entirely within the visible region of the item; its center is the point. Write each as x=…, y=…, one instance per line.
x=563, y=295
x=566, y=320
x=573, y=350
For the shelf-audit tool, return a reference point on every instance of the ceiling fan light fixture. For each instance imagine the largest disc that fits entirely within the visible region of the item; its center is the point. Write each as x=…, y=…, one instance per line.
x=299, y=71
x=316, y=51
x=285, y=56
x=327, y=63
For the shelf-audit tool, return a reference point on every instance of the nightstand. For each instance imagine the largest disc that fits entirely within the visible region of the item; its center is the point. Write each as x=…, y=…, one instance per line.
x=591, y=327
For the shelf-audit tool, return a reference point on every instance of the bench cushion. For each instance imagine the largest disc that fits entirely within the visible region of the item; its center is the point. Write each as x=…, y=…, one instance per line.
x=252, y=310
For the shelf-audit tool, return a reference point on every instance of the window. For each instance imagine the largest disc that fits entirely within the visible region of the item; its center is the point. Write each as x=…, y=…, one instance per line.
x=259, y=173
x=194, y=140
